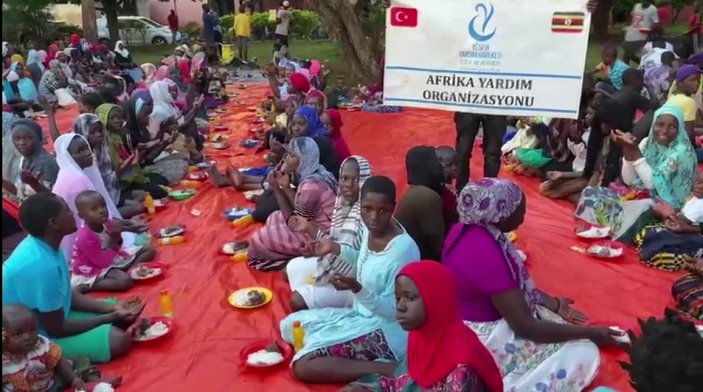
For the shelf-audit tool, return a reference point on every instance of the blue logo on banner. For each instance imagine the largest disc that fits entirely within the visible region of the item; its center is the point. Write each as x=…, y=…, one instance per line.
x=479, y=27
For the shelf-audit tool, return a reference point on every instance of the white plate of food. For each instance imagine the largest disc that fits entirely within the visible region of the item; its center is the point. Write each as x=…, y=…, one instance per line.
x=149, y=329
x=146, y=271
x=606, y=250
x=593, y=232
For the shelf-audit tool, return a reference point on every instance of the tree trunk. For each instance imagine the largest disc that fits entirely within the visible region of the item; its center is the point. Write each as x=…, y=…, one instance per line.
x=110, y=9
x=358, y=46
x=90, y=28
x=601, y=19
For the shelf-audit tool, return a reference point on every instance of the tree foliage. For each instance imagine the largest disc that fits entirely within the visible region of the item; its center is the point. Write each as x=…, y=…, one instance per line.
x=26, y=19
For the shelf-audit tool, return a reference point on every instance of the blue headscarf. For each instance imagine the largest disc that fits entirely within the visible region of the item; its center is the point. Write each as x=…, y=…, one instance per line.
x=25, y=86
x=673, y=166
x=315, y=126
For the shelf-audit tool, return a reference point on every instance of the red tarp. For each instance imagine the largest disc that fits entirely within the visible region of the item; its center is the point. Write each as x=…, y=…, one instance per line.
x=202, y=351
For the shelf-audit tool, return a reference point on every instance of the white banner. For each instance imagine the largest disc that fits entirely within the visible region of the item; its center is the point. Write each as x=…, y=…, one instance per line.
x=504, y=57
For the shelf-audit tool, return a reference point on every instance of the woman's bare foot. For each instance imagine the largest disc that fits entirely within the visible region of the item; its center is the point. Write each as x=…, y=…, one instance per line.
x=218, y=179
x=235, y=175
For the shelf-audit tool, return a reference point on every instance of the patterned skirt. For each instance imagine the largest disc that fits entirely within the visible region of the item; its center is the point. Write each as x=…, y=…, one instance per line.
x=529, y=366
x=369, y=347
x=688, y=293
x=662, y=249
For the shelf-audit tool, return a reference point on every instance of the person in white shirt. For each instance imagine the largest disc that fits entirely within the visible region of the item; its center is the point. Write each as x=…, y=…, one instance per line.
x=283, y=17
x=643, y=18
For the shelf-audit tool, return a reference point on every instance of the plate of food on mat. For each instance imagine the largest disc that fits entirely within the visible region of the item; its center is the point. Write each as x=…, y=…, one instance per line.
x=237, y=212
x=172, y=230
x=148, y=329
x=217, y=138
x=250, y=297
x=593, y=232
x=233, y=247
x=265, y=353
x=147, y=271
x=182, y=194
x=198, y=176
x=606, y=250
x=219, y=145
x=242, y=86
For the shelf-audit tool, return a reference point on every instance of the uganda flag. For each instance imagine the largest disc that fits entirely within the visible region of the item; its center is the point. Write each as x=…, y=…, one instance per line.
x=568, y=22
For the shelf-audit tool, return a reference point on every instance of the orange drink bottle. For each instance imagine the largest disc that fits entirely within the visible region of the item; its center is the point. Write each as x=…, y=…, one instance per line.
x=298, y=336
x=244, y=221
x=241, y=256
x=166, y=304
x=149, y=204
x=179, y=239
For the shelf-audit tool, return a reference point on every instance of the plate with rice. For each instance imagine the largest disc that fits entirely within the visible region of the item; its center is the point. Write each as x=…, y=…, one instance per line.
x=250, y=297
x=263, y=354
x=149, y=329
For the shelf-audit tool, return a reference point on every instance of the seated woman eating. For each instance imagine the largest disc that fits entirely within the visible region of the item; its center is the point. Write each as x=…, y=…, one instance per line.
x=313, y=199
x=420, y=210
x=525, y=329
x=89, y=126
x=126, y=159
x=37, y=276
x=663, y=165
x=309, y=277
x=443, y=353
x=345, y=344
x=668, y=246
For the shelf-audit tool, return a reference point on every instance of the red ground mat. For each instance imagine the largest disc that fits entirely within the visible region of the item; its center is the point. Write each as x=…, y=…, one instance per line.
x=202, y=352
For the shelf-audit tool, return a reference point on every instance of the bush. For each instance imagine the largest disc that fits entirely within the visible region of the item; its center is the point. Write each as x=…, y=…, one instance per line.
x=193, y=29
x=65, y=30
x=303, y=25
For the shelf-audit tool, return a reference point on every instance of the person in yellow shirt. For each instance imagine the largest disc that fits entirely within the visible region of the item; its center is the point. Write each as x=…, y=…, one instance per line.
x=242, y=31
x=688, y=79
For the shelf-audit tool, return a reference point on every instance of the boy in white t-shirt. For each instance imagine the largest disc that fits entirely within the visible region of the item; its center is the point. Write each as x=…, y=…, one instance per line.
x=642, y=18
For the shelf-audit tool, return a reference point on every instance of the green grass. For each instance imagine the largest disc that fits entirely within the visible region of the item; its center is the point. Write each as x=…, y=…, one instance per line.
x=326, y=51
x=329, y=53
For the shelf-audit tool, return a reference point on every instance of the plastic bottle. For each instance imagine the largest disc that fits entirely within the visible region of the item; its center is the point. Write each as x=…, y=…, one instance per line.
x=244, y=221
x=166, y=304
x=179, y=239
x=298, y=336
x=149, y=204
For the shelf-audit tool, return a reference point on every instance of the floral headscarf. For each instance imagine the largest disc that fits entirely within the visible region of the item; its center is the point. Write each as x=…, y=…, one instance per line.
x=487, y=203
x=673, y=166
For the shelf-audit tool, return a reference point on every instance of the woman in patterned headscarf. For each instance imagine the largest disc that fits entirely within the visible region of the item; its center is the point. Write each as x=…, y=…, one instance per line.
x=498, y=299
x=275, y=243
x=345, y=229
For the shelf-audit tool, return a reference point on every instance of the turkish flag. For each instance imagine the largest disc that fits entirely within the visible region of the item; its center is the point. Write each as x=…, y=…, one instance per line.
x=403, y=17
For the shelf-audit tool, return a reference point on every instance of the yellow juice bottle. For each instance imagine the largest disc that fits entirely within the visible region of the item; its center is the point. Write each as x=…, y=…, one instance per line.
x=149, y=204
x=166, y=304
x=298, y=336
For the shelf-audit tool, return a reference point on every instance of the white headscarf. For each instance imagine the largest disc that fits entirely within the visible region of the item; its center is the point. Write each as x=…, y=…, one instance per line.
x=123, y=52
x=12, y=76
x=72, y=180
x=5, y=48
x=164, y=107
